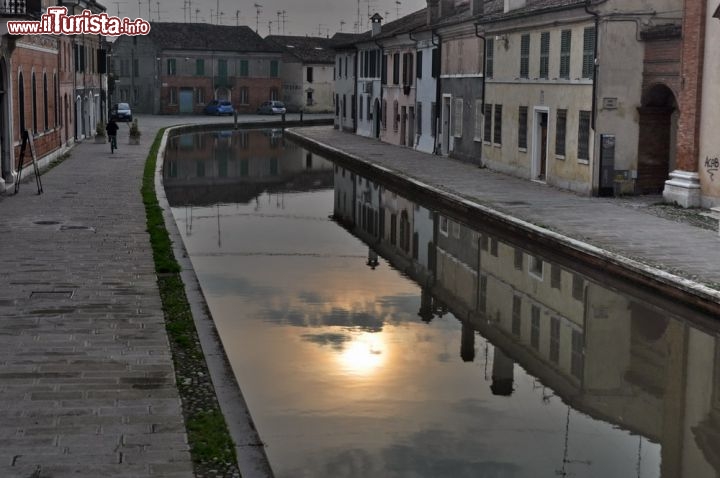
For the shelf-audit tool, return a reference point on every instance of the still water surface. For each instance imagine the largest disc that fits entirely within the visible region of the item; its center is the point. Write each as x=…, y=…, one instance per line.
x=439, y=351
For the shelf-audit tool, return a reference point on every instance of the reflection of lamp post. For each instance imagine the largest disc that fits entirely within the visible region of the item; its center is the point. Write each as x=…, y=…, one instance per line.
x=426, y=313
x=566, y=460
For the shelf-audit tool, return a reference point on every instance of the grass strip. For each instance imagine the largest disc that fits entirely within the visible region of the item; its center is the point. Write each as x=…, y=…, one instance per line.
x=211, y=446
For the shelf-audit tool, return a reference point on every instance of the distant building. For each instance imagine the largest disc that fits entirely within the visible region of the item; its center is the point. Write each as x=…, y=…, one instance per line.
x=179, y=67
x=345, y=79
x=307, y=72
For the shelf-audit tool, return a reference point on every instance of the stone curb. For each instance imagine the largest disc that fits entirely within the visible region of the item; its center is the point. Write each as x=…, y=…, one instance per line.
x=691, y=292
x=251, y=456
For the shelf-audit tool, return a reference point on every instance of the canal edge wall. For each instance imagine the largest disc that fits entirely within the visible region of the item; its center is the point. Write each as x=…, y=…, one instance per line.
x=653, y=279
x=250, y=449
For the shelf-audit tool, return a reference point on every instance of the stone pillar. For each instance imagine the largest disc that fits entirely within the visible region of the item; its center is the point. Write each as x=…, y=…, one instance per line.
x=683, y=187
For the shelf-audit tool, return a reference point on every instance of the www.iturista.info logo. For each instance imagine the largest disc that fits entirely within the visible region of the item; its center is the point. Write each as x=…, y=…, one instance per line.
x=57, y=22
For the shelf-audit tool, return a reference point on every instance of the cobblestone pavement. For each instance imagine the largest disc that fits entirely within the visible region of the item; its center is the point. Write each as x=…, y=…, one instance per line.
x=603, y=222
x=87, y=385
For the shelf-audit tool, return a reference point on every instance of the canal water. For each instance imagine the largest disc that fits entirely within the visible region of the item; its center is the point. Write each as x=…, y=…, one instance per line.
x=373, y=336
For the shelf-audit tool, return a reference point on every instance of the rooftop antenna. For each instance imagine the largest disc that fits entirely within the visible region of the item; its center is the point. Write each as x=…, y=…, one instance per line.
x=237, y=18
x=139, y=6
x=217, y=12
x=258, y=9
x=269, y=27
x=117, y=4
x=284, y=19
x=279, y=14
x=342, y=23
x=397, y=7
x=185, y=9
x=359, y=21
x=197, y=13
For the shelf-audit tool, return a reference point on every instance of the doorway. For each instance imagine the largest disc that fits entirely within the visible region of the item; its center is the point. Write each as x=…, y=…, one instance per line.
x=377, y=116
x=658, y=121
x=411, y=127
x=186, y=100
x=540, y=145
x=445, y=146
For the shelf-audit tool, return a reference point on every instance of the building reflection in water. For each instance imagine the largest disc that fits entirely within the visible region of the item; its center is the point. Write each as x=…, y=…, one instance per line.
x=203, y=169
x=608, y=354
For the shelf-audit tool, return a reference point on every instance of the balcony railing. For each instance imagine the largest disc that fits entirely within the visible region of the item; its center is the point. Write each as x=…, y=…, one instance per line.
x=12, y=7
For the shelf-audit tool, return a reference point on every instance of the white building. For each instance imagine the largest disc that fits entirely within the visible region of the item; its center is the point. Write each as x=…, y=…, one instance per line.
x=426, y=90
x=345, y=81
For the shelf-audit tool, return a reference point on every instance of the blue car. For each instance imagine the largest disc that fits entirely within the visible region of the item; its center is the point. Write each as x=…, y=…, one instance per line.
x=216, y=107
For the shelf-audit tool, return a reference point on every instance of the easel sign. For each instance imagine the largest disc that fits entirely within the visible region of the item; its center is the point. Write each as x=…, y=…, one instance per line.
x=28, y=140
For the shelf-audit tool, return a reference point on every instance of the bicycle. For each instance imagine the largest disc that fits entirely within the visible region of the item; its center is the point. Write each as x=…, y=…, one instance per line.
x=113, y=143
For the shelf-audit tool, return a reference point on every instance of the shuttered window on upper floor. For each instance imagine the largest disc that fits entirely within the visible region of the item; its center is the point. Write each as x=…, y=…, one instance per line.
x=565, y=44
x=525, y=56
x=588, y=53
x=544, y=54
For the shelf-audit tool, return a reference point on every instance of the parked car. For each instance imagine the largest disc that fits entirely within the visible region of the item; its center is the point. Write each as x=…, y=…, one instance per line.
x=222, y=107
x=121, y=112
x=272, y=108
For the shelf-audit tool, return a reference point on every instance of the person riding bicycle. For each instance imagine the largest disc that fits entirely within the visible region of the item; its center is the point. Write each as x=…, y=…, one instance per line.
x=112, y=129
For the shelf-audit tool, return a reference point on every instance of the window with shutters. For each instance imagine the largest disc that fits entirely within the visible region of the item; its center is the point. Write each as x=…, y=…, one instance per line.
x=544, y=54
x=522, y=127
x=577, y=357
x=457, y=118
x=489, y=57
x=419, y=65
x=396, y=69
x=275, y=69
x=199, y=67
x=554, y=340
x=435, y=63
x=171, y=67
x=245, y=95
x=535, y=327
x=478, y=133
x=497, y=132
x=560, y=132
x=584, y=136
x=396, y=116
x=244, y=68
x=565, y=44
x=309, y=74
x=487, y=123
x=525, y=56
x=588, y=70
x=419, y=114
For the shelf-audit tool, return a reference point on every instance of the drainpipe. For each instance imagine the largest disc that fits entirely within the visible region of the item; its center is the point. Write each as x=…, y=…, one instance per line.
x=410, y=35
x=382, y=90
x=438, y=92
x=595, y=62
x=484, y=42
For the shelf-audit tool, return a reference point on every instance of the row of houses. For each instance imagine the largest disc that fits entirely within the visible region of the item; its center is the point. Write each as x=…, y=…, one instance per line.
x=178, y=68
x=53, y=86
x=600, y=97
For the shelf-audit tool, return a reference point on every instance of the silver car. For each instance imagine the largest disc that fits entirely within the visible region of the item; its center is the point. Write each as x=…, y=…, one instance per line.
x=272, y=108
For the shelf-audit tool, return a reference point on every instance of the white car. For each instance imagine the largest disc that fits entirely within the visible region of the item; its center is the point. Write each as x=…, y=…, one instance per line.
x=272, y=108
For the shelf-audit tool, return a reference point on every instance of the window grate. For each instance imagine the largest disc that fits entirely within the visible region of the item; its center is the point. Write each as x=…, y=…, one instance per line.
x=522, y=127
x=560, y=132
x=525, y=56
x=565, y=45
x=544, y=54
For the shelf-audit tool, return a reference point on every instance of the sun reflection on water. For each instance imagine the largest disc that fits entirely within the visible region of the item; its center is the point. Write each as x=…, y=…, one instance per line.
x=365, y=354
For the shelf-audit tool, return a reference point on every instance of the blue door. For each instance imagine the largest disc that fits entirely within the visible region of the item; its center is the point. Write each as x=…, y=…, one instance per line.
x=186, y=101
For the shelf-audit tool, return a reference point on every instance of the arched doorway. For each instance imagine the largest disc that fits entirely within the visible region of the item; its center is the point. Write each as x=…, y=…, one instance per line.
x=222, y=94
x=656, y=143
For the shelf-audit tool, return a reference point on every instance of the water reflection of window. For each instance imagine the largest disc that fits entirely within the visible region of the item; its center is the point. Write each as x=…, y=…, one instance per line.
x=273, y=166
x=223, y=167
x=172, y=169
x=554, y=340
x=200, y=168
x=244, y=167
x=244, y=140
x=444, y=225
x=405, y=231
x=535, y=327
x=555, y=277
x=576, y=361
x=518, y=259
x=577, y=287
x=536, y=267
x=416, y=245
x=474, y=239
x=456, y=230
x=308, y=160
x=516, y=315
x=482, y=296
x=393, y=229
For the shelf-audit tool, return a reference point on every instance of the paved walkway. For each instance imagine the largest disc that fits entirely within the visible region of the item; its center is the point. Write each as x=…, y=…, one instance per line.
x=87, y=384
x=602, y=222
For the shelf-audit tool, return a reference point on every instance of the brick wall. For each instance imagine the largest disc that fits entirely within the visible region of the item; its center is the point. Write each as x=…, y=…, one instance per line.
x=691, y=85
x=26, y=60
x=662, y=64
x=258, y=92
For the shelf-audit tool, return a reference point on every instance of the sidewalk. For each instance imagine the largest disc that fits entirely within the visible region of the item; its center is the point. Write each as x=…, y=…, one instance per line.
x=87, y=386
x=605, y=223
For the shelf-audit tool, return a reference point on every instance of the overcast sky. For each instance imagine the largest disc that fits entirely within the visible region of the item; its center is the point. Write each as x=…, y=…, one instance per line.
x=303, y=17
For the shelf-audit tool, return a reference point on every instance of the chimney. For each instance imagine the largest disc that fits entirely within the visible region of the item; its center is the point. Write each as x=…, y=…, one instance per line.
x=433, y=11
x=447, y=8
x=513, y=5
x=376, y=24
x=477, y=7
